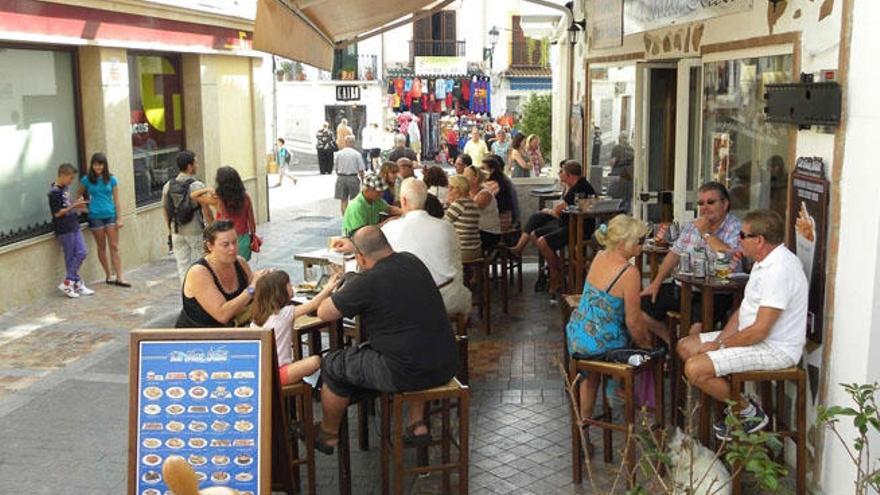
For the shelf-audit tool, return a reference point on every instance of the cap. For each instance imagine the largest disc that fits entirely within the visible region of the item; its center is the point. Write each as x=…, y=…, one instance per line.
x=373, y=181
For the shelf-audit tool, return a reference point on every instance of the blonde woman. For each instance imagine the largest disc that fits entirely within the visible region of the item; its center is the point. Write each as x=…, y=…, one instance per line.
x=464, y=215
x=609, y=314
x=533, y=147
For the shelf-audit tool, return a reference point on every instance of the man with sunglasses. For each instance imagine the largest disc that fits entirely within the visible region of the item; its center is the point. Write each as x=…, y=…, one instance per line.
x=768, y=332
x=715, y=228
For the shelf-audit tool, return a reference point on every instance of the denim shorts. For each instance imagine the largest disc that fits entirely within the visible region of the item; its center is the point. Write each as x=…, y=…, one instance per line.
x=101, y=223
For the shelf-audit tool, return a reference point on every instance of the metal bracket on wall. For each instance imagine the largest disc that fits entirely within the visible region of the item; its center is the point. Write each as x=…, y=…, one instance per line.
x=806, y=103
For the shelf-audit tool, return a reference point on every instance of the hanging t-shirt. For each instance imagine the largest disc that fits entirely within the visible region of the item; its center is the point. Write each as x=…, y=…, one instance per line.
x=466, y=89
x=416, y=90
x=488, y=98
x=440, y=88
x=432, y=86
x=456, y=89
x=407, y=85
x=398, y=86
x=390, y=90
x=448, y=100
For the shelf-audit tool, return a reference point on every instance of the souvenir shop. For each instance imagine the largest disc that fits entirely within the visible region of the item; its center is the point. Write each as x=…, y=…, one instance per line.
x=433, y=100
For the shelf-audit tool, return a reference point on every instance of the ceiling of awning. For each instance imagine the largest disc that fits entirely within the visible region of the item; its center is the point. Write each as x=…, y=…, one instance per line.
x=308, y=30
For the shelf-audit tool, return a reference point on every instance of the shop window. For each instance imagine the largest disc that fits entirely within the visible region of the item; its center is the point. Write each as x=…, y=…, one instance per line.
x=740, y=149
x=610, y=133
x=156, y=121
x=38, y=131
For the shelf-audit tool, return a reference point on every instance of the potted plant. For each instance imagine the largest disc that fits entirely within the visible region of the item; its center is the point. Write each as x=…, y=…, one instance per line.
x=348, y=73
x=287, y=70
x=299, y=73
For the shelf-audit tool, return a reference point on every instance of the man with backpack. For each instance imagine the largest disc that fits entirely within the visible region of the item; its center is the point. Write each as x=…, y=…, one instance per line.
x=283, y=159
x=184, y=215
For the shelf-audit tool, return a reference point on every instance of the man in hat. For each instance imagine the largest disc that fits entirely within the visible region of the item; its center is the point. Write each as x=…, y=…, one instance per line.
x=365, y=208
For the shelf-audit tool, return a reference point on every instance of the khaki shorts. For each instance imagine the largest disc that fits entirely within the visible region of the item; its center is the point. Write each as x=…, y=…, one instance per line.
x=347, y=187
x=757, y=357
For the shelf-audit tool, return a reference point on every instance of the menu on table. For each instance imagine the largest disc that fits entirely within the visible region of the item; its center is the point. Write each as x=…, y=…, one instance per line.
x=200, y=399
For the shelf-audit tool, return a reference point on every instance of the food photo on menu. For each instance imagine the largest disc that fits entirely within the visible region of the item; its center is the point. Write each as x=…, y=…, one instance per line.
x=805, y=239
x=204, y=410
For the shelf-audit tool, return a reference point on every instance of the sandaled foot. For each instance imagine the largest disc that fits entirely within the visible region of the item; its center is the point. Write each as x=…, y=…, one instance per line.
x=411, y=438
x=325, y=442
x=121, y=283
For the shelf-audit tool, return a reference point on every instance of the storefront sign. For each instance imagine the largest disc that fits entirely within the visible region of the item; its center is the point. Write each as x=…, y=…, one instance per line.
x=808, y=220
x=349, y=92
x=645, y=15
x=606, y=24
x=203, y=395
x=441, y=66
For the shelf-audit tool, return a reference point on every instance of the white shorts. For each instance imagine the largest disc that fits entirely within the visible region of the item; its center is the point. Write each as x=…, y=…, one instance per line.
x=757, y=357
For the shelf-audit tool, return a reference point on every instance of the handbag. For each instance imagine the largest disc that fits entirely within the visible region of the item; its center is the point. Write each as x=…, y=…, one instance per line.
x=256, y=242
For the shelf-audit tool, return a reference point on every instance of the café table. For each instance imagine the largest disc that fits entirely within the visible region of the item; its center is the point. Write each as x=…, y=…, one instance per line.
x=654, y=252
x=577, y=244
x=545, y=195
x=319, y=257
x=708, y=287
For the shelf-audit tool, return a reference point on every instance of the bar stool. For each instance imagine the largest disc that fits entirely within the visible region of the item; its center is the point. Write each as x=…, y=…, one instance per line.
x=460, y=326
x=676, y=368
x=778, y=423
x=392, y=436
x=312, y=327
x=504, y=260
x=476, y=278
x=627, y=375
x=298, y=400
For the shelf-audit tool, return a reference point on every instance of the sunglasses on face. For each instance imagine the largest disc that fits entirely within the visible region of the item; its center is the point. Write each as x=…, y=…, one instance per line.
x=743, y=236
x=709, y=202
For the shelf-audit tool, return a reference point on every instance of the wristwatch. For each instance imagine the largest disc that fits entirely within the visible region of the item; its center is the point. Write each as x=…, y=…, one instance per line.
x=250, y=291
x=706, y=236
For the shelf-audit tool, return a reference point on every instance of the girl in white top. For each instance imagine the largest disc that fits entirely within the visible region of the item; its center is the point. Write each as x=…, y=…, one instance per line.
x=271, y=308
x=490, y=222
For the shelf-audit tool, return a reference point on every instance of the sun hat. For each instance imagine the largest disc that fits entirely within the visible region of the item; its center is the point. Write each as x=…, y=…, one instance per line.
x=373, y=181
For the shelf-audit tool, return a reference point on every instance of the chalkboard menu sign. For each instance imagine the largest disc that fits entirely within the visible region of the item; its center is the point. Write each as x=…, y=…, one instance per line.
x=808, y=224
x=204, y=395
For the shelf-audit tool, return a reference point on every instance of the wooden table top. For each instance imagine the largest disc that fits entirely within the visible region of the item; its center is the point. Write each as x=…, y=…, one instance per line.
x=731, y=284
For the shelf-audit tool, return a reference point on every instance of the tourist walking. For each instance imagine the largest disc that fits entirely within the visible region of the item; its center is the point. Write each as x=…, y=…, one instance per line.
x=349, y=168
x=185, y=216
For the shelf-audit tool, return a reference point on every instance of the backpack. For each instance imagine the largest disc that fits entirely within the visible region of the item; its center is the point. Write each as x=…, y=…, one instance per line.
x=179, y=205
x=285, y=155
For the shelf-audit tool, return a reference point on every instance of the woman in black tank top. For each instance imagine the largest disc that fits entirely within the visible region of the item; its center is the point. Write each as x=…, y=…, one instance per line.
x=220, y=285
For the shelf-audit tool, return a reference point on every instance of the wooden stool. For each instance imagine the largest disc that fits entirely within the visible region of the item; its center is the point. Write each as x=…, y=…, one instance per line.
x=627, y=375
x=778, y=421
x=392, y=436
x=504, y=260
x=311, y=326
x=676, y=369
x=476, y=278
x=460, y=327
x=298, y=399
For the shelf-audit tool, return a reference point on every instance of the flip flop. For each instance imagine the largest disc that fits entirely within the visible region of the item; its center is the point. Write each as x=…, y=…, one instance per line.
x=121, y=284
x=411, y=439
x=321, y=438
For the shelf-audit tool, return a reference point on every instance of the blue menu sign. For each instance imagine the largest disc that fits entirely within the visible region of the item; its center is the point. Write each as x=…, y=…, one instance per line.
x=201, y=399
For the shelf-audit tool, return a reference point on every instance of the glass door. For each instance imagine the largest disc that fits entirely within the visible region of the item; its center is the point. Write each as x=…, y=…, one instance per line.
x=656, y=92
x=687, y=144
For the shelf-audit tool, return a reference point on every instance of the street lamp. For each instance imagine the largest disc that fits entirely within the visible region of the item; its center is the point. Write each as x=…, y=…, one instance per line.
x=574, y=30
x=488, y=53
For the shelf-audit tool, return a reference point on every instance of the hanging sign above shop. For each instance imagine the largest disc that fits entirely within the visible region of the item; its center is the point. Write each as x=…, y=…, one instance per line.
x=606, y=26
x=348, y=92
x=441, y=66
x=646, y=15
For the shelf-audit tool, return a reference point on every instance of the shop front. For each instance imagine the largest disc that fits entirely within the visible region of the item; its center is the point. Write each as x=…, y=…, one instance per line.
x=139, y=87
x=676, y=96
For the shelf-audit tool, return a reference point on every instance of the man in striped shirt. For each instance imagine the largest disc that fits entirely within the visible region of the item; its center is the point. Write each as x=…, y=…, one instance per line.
x=465, y=217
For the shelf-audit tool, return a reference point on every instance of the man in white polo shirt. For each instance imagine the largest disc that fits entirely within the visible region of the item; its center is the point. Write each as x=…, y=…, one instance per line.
x=768, y=331
x=433, y=241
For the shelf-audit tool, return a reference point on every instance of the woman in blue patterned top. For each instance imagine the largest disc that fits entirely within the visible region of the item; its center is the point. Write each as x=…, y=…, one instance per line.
x=608, y=316
x=104, y=219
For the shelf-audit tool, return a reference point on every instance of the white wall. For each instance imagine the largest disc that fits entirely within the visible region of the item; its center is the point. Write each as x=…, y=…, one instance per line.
x=857, y=311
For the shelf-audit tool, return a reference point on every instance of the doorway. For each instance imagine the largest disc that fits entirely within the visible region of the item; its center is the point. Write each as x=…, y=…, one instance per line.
x=356, y=115
x=659, y=87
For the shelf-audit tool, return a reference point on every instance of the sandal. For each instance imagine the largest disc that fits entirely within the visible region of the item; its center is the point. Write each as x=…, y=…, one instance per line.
x=121, y=284
x=321, y=439
x=411, y=439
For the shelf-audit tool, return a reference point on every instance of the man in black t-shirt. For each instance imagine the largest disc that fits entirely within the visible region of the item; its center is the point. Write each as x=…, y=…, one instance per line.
x=410, y=346
x=401, y=151
x=549, y=227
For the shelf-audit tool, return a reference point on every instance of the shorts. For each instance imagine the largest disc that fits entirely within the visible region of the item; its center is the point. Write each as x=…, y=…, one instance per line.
x=101, y=223
x=347, y=187
x=356, y=373
x=756, y=357
x=669, y=299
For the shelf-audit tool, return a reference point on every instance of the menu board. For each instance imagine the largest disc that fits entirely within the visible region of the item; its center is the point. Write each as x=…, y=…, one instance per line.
x=808, y=221
x=202, y=395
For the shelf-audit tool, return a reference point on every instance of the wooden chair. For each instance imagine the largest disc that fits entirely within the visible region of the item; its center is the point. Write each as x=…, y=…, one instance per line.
x=504, y=261
x=311, y=327
x=392, y=436
x=627, y=375
x=298, y=400
x=476, y=278
x=460, y=326
x=776, y=412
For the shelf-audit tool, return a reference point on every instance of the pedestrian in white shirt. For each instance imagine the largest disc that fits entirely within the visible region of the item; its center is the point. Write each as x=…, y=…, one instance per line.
x=768, y=331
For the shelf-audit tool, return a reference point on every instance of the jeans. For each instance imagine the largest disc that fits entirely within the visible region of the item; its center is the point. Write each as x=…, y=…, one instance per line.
x=74, y=246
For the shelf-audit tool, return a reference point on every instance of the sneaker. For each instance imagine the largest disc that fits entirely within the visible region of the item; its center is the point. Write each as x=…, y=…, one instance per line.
x=82, y=290
x=750, y=424
x=68, y=288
